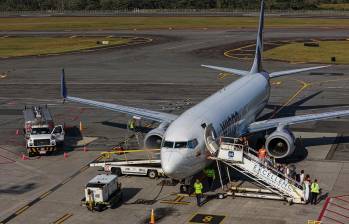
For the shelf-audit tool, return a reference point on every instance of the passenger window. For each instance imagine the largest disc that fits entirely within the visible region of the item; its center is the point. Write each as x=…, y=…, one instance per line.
x=180, y=144
x=168, y=144
x=192, y=143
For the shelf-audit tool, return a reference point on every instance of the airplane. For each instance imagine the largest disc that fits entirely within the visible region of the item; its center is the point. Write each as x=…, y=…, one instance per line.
x=231, y=111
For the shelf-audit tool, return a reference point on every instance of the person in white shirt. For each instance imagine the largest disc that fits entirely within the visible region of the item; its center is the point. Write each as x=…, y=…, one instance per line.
x=301, y=177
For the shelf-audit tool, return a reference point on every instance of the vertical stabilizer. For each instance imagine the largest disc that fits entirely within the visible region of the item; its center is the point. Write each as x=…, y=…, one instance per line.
x=257, y=63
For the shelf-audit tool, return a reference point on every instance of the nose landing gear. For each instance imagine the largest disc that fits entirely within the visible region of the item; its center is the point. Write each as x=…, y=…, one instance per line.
x=186, y=186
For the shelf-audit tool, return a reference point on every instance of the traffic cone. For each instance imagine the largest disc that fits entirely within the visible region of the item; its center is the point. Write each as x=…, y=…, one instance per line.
x=152, y=217
x=24, y=157
x=80, y=126
x=85, y=148
x=65, y=155
x=17, y=132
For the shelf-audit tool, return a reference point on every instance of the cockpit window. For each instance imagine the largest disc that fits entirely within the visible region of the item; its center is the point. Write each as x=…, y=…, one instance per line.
x=168, y=144
x=180, y=145
x=192, y=143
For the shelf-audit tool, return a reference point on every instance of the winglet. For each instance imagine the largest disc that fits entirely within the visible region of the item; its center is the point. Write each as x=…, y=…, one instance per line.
x=63, y=85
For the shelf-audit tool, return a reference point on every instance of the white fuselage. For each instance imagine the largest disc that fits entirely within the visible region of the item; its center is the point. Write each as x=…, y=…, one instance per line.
x=230, y=111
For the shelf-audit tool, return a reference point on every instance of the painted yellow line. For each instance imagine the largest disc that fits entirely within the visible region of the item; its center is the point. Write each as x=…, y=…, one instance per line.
x=276, y=83
x=130, y=150
x=222, y=75
x=22, y=210
x=63, y=218
x=67, y=180
x=84, y=168
x=45, y=194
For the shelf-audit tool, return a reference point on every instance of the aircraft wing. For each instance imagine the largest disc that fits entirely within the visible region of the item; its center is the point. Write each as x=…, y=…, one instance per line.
x=273, y=123
x=144, y=113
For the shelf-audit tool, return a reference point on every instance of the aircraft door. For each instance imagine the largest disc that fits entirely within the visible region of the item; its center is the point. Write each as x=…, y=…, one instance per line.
x=58, y=133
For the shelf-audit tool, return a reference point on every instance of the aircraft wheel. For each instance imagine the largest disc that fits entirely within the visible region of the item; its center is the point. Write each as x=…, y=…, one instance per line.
x=152, y=174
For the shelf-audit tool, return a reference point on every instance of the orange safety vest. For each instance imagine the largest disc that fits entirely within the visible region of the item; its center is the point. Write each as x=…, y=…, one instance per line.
x=262, y=153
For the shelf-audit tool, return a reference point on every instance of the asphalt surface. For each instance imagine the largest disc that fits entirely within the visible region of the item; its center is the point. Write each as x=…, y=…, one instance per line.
x=163, y=75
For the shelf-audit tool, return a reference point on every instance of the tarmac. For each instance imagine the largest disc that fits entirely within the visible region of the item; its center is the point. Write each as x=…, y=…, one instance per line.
x=163, y=75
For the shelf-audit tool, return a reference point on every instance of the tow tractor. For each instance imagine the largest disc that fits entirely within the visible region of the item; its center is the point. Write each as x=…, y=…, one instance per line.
x=101, y=192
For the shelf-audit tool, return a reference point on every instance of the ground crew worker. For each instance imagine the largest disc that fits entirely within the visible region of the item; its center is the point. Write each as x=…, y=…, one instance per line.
x=211, y=176
x=245, y=142
x=131, y=124
x=198, y=191
x=315, y=190
x=262, y=153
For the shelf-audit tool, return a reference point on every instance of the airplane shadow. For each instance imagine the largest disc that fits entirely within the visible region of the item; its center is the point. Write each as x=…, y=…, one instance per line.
x=18, y=189
x=291, y=109
x=129, y=193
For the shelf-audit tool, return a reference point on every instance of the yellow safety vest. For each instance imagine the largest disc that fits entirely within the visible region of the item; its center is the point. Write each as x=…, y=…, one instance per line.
x=198, y=188
x=131, y=124
x=210, y=173
x=315, y=188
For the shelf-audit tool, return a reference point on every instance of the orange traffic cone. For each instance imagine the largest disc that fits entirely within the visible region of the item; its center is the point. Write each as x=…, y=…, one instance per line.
x=152, y=217
x=65, y=155
x=24, y=157
x=17, y=132
x=85, y=148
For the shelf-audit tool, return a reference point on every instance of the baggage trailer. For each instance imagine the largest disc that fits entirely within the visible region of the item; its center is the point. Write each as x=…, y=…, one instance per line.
x=41, y=136
x=101, y=192
x=150, y=168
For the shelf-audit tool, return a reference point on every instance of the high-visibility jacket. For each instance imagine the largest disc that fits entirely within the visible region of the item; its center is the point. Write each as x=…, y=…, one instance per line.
x=262, y=153
x=131, y=124
x=210, y=173
x=198, y=188
x=315, y=188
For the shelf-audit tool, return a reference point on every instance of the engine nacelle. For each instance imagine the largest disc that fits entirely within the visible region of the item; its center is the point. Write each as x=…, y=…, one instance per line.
x=153, y=139
x=281, y=143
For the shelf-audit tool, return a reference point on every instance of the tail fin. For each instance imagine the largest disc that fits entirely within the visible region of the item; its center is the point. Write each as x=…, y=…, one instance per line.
x=63, y=86
x=257, y=63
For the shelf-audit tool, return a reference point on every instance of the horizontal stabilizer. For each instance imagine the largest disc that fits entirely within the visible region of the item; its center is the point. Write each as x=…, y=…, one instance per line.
x=228, y=70
x=293, y=71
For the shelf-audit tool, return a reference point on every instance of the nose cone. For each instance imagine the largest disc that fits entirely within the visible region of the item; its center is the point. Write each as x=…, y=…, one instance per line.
x=173, y=164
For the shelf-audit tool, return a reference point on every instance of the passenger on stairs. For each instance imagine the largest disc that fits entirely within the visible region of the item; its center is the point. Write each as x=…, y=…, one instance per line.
x=262, y=153
x=301, y=177
x=246, y=144
x=306, y=188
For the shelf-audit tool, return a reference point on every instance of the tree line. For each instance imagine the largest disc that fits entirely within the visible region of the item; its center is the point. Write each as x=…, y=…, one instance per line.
x=8, y=5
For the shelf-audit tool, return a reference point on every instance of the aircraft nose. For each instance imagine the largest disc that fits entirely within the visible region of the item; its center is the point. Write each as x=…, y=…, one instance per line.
x=171, y=163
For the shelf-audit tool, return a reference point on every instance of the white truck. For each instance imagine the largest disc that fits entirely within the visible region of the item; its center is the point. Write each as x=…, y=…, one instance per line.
x=41, y=136
x=150, y=168
x=101, y=192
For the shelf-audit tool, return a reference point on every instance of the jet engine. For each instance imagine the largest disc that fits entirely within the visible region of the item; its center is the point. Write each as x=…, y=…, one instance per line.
x=281, y=143
x=153, y=139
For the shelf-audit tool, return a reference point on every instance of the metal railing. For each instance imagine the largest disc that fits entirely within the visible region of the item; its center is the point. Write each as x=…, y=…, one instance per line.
x=177, y=12
x=247, y=153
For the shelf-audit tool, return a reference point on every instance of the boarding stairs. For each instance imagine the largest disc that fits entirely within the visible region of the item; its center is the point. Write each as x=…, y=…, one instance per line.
x=244, y=160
